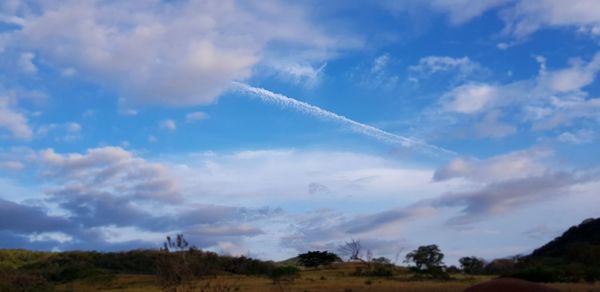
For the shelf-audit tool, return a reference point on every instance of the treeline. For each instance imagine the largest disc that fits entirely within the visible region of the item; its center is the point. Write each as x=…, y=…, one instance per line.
x=22, y=270
x=178, y=263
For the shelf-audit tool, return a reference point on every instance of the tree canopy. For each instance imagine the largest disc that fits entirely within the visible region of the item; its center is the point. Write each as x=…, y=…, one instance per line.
x=313, y=259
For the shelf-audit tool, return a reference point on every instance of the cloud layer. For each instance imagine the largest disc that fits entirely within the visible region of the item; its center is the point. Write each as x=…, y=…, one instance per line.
x=176, y=53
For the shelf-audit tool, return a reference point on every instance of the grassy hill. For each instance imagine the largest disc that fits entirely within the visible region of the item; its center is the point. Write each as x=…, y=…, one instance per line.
x=574, y=256
x=587, y=233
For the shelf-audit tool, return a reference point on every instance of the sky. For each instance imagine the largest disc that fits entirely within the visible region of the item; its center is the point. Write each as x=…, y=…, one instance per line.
x=269, y=128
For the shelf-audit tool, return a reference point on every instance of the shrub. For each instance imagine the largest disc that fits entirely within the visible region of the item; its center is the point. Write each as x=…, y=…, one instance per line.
x=314, y=259
x=11, y=281
x=472, y=265
x=284, y=274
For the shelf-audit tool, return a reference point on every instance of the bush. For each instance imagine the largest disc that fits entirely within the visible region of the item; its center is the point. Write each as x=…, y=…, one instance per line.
x=247, y=266
x=18, y=281
x=314, y=259
x=284, y=274
x=539, y=274
x=472, y=265
x=374, y=269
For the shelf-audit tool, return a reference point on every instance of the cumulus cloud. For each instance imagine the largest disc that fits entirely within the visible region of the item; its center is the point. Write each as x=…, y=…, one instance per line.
x=25, y=63
x=110, y=169
x=553, y=98
x=109, y=190
x=12, y=119
x=519, y=164
x=175, y=53
x=470, y=98
x=527, y=17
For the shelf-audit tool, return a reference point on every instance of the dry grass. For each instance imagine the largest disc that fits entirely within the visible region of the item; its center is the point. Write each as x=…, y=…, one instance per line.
x=337, y=278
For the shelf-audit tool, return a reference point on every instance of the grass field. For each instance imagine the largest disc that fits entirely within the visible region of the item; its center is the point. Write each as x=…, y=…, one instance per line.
x=337, y=278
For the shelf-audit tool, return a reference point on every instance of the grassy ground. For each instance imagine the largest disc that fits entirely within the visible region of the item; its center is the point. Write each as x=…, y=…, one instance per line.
x=330, y=280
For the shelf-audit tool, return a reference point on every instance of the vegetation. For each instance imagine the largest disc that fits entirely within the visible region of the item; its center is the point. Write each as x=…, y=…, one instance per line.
x=428, y=261
x=314, y=259
x=284, y=274
x=572, y=257
x=178, y=266
x=472, y=265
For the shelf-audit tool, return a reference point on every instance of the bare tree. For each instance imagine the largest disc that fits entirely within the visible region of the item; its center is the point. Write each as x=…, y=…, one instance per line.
x=173, y=267
x=351, y=249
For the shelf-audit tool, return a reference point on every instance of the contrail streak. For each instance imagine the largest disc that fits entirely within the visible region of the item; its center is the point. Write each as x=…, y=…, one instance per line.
x=284, y=101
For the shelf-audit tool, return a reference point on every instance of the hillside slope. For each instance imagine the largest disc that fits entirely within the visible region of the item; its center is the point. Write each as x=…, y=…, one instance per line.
x=586, y=233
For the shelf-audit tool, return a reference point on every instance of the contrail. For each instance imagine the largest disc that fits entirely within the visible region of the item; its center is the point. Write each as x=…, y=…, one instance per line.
x=284, y=101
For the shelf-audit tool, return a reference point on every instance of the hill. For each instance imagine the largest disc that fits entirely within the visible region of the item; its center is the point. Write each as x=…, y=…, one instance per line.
x=574, y=256
x=586, y=233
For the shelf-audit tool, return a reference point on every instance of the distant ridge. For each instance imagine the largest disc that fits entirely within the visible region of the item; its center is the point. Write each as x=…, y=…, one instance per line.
x=587, y=232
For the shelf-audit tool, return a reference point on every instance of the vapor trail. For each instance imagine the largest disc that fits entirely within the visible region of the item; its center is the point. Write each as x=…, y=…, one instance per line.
x=284, y=101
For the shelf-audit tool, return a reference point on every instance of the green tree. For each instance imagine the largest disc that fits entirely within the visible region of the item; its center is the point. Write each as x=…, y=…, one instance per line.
x=428, y=260
x=472, y=265
x=314, y=259
x=426, y=257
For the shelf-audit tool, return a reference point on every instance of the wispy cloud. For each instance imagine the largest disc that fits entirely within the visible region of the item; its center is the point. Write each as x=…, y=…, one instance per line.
x=285, y=101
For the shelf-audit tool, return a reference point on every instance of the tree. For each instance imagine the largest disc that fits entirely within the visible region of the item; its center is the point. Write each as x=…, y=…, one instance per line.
x=428, y=260
x=352, y=250
x=426, y=257
x=179, y=244
x=173, y=267
x=314, y=259
x=472, y=265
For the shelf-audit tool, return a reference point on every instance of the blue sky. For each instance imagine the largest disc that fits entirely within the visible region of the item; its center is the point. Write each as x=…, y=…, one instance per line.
x=272, y=127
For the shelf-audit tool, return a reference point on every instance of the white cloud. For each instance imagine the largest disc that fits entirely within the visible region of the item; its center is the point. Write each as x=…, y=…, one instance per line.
x=459, y=11
x=470, y=98
x=168, y=125
x=12, y=165
x=12, y=120
x=109, y=169
x=491, y=127
x=503, y=183
x=435, y=64
x=552, y=99
x=515, y=165
x=25, y=63
x=573, y=78
x=195, y=117
x=379, y=75
x=176, y=53
x=529, y=16
x=577, y=137
x=306, y=74
x=67, y=132
x=263, y=176
x=380, y=63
